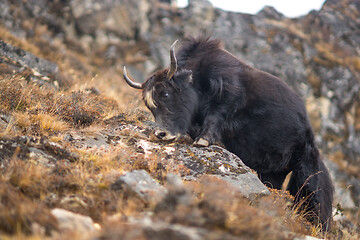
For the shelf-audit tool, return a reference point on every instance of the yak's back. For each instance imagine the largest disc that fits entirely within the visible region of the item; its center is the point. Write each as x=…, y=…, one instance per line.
x=195, y=50
x=214, y=69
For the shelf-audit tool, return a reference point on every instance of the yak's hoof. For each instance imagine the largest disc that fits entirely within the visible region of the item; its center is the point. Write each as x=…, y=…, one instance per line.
x=201, y=143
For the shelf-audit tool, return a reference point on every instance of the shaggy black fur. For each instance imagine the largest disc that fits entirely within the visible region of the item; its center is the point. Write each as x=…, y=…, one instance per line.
x=216, y=97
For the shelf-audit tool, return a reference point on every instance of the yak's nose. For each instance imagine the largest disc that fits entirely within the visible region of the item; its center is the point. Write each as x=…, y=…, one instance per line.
x=160, y=134
x=165, y=135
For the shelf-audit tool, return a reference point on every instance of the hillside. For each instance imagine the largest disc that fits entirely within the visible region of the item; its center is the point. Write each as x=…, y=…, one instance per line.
x=78, y=158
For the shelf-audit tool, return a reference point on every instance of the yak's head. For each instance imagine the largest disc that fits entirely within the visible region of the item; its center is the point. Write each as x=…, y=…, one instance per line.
x=171, y=98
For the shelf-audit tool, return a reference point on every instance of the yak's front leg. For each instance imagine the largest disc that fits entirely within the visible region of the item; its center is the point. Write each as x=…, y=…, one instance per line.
x=210, y=132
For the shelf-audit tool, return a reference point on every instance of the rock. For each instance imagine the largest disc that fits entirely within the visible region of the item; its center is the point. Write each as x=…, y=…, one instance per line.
x=146, y=228
x=213, y=160
x=41, y=158
x=41, y=150
x=88, y=140
x=248, y=184
x=101, y=19
x=69, y=221
x=39, y=70
x=345, y=188
x=6, y=122
x=140, y=182
x=270, y=13
x=307, y=238
x=177, y=194
x=342, y=222
x=227, y=166
x=200, y=13
x=163, y=231
x=27, y=59
x=10, y=147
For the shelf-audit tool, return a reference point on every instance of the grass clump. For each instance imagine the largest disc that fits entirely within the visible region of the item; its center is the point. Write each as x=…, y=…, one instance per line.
x=37, y=110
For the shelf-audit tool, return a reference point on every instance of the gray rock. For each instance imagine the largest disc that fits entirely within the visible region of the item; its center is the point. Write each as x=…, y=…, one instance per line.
x=123, y=18
x=41, y=150
x=163, y=231
x=213, y=160
x=41, y=158
x=146, y=228
x=6, y=122
x=140, y=182
x=346, y=190
x=42, y=71
x=69, y=221
x=270, y=13
x=248, y=184
x=308, y=238
x=27, y=59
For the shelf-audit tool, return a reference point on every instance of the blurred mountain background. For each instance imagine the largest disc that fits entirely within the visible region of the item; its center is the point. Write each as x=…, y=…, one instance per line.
x=82, y=45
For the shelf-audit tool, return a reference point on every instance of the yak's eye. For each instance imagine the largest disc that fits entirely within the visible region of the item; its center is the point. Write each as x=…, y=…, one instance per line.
x=165, y=94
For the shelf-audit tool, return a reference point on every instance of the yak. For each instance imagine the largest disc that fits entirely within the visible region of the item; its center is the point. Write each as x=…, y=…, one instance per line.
x=214, y=97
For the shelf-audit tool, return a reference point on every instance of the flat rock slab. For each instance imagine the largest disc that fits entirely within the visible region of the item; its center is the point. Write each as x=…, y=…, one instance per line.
x=213, y=160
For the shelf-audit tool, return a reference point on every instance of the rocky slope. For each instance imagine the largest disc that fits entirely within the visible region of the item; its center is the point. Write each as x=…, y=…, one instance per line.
x=70, y=117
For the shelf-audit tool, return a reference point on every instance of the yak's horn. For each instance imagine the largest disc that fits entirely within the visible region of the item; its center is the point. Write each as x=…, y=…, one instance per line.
x=173, y=64
x=132, y=83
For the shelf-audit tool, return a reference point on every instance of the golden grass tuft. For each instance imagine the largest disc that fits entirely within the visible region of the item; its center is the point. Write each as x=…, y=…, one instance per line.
x=30, y=178
x=13, y=93
x=48, y=122
x=22, y=120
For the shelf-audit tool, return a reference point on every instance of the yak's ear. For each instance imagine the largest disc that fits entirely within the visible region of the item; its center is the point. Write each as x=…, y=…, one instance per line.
x=184, y=76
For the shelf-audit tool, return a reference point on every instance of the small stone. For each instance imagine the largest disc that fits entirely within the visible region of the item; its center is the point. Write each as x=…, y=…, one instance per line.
x=69, y=221
x=201, y=143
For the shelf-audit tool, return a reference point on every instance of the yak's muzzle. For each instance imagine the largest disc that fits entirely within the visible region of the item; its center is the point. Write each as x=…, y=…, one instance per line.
x=163, y=134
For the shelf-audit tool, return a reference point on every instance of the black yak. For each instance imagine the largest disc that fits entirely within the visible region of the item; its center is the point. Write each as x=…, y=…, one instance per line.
x=216, y=98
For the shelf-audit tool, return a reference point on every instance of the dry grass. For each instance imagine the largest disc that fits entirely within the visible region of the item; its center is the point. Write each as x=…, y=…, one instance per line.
x=331, y=55
x=328, y=57
x=18, y=209
x=289, y=26
x=266, y=218
x=48, y=122
x=38, y=110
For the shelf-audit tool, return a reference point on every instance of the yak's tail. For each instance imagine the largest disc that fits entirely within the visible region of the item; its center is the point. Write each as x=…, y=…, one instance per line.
x=312, y=188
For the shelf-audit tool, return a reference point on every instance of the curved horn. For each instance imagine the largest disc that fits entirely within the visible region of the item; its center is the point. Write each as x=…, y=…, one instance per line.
x=130, y=82
x=173, y=64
